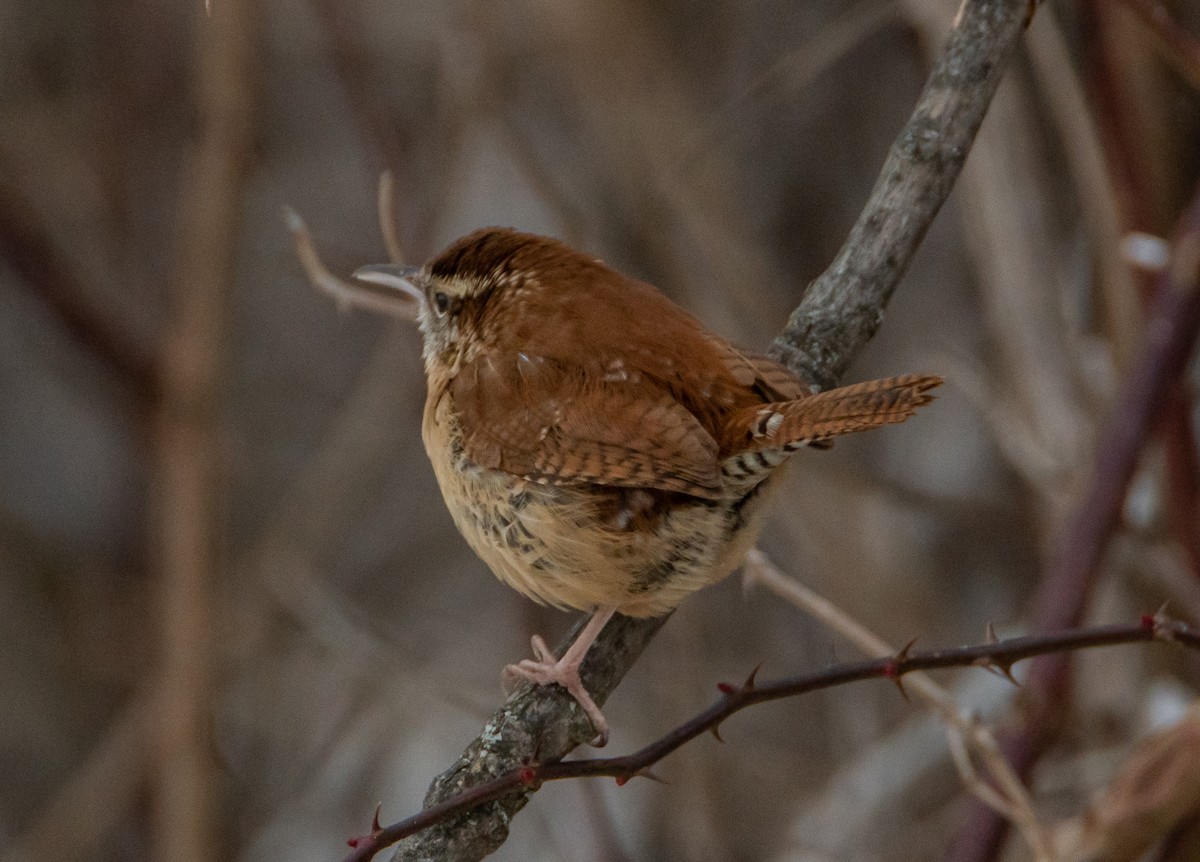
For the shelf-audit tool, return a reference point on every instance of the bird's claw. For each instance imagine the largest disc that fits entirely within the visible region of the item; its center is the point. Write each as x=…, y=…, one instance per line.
x=546, y=670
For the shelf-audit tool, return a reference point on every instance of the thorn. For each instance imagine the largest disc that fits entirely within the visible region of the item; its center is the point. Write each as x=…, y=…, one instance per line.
x=748, y=685
x=715, y=730
x=646, y=772
x=904, y=650
x=354, y=842
x=375, y=827
x=990, y=634
x=1147, y=621
x=622, y=780
x=999, y=668
x=726, y=689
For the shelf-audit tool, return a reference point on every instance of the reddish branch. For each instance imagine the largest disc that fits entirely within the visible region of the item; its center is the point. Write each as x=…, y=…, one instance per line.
x=997, y=655
x=1180, y=48
x=1124, y=147
x=1071, y=571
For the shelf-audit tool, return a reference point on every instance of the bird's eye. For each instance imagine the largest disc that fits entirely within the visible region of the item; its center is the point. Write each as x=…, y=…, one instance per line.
x=441, y=302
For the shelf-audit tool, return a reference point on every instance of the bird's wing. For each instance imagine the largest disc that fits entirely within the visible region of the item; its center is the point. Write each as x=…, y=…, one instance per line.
x=565, y=423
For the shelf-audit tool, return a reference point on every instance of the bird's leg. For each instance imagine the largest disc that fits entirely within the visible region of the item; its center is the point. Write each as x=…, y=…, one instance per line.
x=546, y=669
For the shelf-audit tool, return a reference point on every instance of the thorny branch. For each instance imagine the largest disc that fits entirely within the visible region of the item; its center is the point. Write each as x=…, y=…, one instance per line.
x=999, y=656
x=839, y=313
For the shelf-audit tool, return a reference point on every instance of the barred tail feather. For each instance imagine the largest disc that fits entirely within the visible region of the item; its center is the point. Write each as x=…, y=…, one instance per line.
x=787, y=425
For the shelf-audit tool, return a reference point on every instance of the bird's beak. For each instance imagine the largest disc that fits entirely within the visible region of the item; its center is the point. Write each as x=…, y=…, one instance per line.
x=401, y=287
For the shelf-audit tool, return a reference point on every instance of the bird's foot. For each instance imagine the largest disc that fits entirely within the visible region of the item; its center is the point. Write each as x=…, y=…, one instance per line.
x=545, y=669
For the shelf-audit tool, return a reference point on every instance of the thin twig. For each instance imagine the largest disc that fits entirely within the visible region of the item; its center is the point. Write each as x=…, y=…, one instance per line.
x=735, y=698
x=387, y=217
x=346, y=294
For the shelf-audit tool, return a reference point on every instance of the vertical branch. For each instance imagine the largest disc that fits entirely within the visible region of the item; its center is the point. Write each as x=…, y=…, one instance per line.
x=188, y=461
x=1125, y=146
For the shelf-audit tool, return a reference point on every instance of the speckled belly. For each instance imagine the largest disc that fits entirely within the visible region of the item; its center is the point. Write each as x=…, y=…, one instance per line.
x=580, y=547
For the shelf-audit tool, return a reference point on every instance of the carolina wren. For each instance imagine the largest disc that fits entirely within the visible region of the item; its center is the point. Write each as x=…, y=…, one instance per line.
x=595, y=444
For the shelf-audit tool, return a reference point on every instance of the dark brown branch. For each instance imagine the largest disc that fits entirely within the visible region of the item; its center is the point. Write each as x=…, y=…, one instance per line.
x=838, y=315
x=1063, y=594
x=1178, y=47
x=26, y=243
x=1001, y=655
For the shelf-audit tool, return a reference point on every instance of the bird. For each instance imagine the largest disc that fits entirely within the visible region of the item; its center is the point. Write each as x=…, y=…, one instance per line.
x=596, y=445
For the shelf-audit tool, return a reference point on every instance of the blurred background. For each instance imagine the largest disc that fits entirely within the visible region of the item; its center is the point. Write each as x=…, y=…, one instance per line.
x=234, y=613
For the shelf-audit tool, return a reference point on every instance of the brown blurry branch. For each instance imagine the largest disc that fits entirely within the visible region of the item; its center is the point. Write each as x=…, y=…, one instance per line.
x=1125, y=144
x=189, y=462
x=1178, y=47
x=1153, y=793
x=26, y=244
x=838, y=315
x=1071, y=571
x=734, y=698
x=97, y=797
